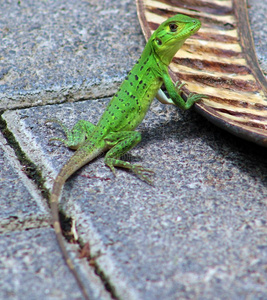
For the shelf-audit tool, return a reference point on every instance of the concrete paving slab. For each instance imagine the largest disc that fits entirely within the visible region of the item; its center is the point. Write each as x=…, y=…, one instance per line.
x=31, y=267
x=199, y=232
x=55, y=51
x=22, y=206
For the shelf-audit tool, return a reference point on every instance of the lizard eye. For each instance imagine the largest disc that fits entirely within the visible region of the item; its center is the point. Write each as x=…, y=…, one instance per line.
x=173, y=27
x=159, y=42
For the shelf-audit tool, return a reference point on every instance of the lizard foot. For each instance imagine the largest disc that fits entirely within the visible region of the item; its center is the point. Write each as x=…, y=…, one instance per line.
x=75, y=137
x=141, y=173
x=64, y=128
x=192, y=98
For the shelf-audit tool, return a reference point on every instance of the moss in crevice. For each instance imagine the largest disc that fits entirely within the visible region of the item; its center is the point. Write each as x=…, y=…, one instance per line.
x=28, y=167
x=105, y=280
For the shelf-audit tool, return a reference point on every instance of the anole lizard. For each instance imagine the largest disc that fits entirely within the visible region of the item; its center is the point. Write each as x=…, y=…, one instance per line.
x=114, y=132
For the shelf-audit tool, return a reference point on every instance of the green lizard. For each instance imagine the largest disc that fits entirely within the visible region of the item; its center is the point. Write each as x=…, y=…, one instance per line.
x=114, y=132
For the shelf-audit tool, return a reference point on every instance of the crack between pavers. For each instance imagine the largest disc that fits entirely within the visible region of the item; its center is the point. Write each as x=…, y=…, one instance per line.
x=73, y=95
x=67, y=232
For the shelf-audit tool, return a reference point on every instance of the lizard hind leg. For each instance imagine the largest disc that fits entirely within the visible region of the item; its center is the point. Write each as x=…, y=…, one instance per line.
x=120, y=143
x=76, y=136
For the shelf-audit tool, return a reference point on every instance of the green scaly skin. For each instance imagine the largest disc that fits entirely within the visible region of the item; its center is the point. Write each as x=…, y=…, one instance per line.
x=114, y=132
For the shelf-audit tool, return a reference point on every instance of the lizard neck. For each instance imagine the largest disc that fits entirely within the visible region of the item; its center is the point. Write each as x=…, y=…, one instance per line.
x=164, y=56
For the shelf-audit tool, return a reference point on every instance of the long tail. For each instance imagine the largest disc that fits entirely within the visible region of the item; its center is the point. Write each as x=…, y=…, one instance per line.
x=80, y=158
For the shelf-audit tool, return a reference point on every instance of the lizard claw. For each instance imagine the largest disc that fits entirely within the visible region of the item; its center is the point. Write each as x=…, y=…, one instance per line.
x=178, y=88
x=57, y=139
x=64, y=128
x=112, y=169
x=181, y=84
x=140, y=172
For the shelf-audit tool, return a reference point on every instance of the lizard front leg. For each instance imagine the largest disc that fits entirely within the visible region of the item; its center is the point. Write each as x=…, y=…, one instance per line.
x=120, y=143
x=175, y=94
x=76, y=136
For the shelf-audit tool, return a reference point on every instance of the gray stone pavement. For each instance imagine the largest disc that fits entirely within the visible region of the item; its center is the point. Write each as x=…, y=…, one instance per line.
x=198, y=233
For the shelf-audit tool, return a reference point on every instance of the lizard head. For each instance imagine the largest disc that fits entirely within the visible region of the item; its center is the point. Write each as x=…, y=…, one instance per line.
x=171, y=34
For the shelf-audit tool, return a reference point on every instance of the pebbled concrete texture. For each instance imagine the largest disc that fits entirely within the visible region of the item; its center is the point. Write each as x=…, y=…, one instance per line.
x=198, y=233
x=54, y=51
